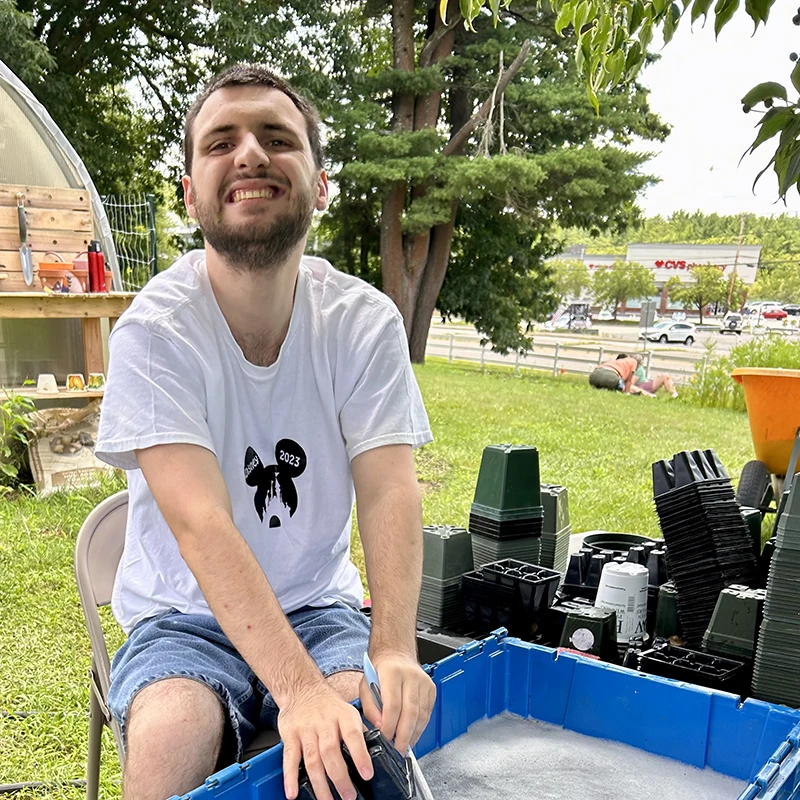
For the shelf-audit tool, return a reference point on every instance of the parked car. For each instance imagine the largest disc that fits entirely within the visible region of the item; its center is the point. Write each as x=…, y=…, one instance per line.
x=753, y=309
x=684, y=332
x=792, y=309
x=732, y=322
x=773, y=312
x=605, y=315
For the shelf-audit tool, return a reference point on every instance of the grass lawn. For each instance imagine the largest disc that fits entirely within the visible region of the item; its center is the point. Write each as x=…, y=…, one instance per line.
x=600, y=445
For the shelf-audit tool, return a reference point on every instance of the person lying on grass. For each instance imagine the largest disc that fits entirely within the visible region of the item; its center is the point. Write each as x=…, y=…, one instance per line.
x=650, y=386
x=253, y=394
x=618, y=375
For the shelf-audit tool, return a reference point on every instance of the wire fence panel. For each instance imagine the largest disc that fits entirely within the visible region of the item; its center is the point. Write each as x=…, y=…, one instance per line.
x=559, y=356
x=133, y=226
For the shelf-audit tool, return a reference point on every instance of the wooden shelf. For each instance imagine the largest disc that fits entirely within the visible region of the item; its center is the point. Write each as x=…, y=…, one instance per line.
x=30, y=391
x=40, y=305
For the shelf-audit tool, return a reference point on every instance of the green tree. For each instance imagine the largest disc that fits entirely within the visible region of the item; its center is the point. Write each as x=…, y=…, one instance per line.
x=736, y=293
x=781, y=283
x=622, y=281
x=463, y=143
x=22, y=51
x=571, y=279
x=779, y=236
x=118, y=77
x=612, y=41
x=708, y=285
x=513, y=286
x=425, y=118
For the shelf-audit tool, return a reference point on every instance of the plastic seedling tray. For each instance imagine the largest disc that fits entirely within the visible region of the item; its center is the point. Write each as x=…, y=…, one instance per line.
x=536, y=586
x=702, y=669
x=756, y=743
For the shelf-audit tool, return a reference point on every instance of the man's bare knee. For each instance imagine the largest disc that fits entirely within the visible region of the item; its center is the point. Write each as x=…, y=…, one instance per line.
x=174, y=735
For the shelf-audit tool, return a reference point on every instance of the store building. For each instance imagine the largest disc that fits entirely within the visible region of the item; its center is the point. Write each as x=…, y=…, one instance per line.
x=667, y=260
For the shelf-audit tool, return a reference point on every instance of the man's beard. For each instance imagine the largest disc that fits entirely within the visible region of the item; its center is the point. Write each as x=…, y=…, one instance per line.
x=258, y=245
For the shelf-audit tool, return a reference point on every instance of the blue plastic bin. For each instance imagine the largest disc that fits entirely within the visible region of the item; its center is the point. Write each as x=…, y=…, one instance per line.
x=753, y=741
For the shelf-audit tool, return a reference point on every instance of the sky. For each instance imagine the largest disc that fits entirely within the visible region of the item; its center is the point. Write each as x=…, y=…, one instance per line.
x=697, y=88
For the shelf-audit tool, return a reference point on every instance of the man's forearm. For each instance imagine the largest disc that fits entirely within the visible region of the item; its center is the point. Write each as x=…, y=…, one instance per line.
x=245, y=606
x=391, y=531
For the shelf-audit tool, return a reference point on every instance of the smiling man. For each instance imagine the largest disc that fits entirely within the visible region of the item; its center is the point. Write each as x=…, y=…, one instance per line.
x=253, y=394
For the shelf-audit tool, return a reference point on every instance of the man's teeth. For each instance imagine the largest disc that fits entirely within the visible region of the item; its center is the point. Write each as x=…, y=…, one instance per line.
x=251, y=194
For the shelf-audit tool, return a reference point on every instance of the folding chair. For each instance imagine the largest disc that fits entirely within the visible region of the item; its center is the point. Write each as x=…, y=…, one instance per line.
x=97, y=554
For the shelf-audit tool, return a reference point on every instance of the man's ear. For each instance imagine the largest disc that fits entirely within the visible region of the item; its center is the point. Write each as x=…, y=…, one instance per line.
x=322, y=191
x=188, y=196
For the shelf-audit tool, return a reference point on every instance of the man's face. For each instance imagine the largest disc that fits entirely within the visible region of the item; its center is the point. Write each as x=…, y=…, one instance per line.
x=254, y=185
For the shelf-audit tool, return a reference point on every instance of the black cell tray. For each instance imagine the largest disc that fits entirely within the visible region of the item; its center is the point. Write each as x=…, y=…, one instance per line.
x=510, y=594
x=703, y=669
x=391, y=780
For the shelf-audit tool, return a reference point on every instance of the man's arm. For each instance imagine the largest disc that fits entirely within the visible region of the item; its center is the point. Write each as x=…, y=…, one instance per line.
x=190, y=491
x=390, y=522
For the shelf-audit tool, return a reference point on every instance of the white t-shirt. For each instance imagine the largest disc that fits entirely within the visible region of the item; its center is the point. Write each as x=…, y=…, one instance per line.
x=283, y=435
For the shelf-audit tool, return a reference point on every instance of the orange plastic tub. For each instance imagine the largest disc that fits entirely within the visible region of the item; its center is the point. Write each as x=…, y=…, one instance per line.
x=773, y=408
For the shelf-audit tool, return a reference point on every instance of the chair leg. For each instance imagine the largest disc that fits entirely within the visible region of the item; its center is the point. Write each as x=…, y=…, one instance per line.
x=95, y=742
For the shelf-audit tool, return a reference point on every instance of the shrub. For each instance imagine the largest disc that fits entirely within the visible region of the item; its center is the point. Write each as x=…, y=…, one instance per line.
x=14, y=427
x=712, y=385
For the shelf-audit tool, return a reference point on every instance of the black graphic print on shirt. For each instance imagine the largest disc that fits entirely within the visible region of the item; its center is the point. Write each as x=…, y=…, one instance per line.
x=275, y=481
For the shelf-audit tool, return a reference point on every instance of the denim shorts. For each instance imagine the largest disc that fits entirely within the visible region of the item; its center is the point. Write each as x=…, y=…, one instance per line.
x=176, y=645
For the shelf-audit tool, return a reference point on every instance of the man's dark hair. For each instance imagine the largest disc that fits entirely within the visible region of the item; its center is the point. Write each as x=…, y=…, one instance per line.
x=254, y=75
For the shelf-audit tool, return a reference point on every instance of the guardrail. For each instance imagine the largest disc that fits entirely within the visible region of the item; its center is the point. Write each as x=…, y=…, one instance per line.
x=560, y=357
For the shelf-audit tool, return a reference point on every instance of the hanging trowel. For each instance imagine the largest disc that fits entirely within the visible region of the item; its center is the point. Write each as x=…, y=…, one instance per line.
x=416, y=779
x=25, y=255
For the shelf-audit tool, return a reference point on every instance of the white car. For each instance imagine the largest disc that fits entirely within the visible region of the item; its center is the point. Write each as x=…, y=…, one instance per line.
x=663, y=332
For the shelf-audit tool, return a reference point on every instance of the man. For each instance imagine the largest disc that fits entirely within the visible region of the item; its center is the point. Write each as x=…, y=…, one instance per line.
x=252, y=394
x=618, y=375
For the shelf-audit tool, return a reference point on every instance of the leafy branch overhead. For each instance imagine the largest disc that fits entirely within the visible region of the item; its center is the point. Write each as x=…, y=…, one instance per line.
x=612, y=42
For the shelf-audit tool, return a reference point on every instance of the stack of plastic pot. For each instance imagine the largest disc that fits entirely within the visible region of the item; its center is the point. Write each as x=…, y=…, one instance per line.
x=446, y=556
x=733, y=628
x=776, y=676
x=708, y=544
x=506, y=516
x=666, y=623
x=752, y=519
x=556, y=530
x=584, y=570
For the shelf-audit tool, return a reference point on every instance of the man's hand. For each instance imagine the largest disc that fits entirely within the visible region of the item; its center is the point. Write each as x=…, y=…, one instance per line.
x=408, y=696
x=313, y=726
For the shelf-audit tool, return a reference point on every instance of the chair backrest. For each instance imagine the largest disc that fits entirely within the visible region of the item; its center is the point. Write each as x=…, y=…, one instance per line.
x=99, y=548
x=97, y=553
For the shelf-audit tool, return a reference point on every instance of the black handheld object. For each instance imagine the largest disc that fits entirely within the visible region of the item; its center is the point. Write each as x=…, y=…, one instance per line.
x=392, y=779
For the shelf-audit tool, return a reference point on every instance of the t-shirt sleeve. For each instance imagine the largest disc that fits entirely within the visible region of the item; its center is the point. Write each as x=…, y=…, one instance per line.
x=385, y=405
x=154, y=395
